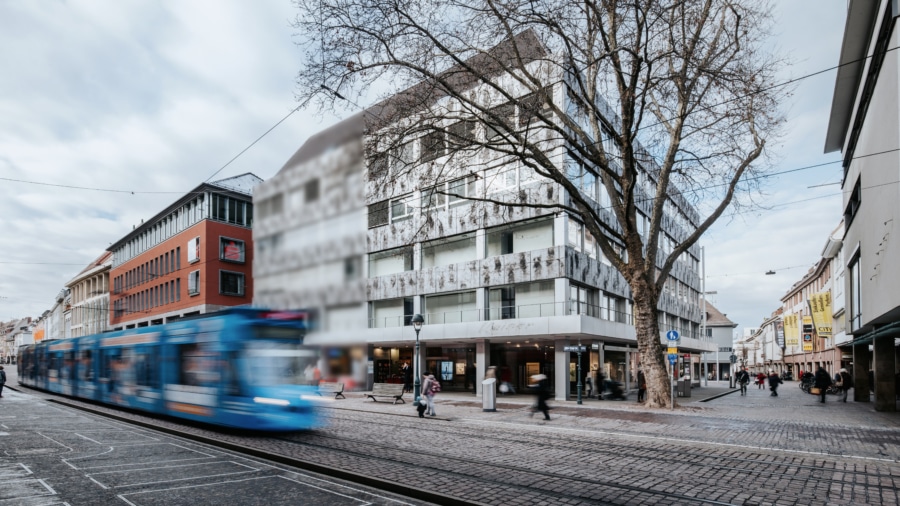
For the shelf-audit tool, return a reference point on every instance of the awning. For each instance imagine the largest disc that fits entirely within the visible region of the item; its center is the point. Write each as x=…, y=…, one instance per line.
x=889, y=330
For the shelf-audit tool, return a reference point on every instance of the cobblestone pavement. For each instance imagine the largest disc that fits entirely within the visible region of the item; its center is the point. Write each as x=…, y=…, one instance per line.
x=716, y=447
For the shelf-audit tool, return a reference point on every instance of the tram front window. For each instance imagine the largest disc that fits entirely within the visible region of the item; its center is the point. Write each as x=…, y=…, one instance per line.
x=280, y=363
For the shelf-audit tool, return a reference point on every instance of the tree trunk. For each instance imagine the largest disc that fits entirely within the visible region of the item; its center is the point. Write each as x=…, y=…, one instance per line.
x=646, y=321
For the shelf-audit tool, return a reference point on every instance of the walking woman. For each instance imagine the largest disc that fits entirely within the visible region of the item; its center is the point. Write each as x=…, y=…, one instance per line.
x=642, y=385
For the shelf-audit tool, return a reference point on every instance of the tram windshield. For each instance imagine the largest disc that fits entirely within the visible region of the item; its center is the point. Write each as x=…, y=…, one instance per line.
x=280, y=363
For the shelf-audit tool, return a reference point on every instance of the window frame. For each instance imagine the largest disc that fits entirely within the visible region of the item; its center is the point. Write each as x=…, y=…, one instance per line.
x=239, y=276
x=222, y=247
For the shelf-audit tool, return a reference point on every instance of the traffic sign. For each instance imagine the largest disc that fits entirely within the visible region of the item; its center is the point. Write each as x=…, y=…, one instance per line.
x=672, y=335
x=671, y=350
x=672, y=358
x=574, y=348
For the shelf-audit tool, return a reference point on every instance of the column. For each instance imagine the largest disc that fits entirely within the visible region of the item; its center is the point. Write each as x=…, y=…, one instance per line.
x=482, y=358
x=862, y=362
x=884, y=361
x=561, y=368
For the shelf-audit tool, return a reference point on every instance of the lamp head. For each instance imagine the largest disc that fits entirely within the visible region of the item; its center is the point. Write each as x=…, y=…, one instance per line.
x=417, y=322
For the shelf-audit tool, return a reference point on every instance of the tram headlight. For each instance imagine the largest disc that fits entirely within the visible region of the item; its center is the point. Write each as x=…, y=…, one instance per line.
x=273, y=402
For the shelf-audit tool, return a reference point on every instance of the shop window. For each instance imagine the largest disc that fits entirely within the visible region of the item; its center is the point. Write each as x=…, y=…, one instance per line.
x=390, y=261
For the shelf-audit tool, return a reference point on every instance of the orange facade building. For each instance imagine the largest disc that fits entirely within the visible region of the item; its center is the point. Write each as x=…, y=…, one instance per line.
x=192, y=258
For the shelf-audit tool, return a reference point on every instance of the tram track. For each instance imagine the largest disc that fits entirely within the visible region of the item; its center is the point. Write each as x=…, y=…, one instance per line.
x=357, y=456
x=618, y=453
x=419, y=464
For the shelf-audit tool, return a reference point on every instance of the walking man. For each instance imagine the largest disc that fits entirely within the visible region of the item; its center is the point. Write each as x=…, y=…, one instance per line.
x=823, y=381
x=2, y=380
x=774, y=381
x=743, y=377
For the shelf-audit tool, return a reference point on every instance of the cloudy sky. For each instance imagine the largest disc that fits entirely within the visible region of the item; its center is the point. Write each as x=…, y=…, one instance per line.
x=111, y=110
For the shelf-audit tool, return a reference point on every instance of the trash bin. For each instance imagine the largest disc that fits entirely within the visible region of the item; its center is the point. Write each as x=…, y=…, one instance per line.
x=684, y=388
x=489, y=394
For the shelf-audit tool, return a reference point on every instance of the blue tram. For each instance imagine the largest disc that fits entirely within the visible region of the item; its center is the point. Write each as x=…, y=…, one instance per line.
x=241, y=367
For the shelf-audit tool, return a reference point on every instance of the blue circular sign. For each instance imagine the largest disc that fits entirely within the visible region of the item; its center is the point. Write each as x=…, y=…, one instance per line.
x=672, y=335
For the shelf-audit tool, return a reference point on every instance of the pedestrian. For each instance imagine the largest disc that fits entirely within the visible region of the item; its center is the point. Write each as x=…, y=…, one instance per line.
x=774, y=381
x=846, y=382
x=823, y=381
x=642, y=385
x=542, y=393
x=2, y=380
x=601, y=384
x=407, y=377
x=430, y=387
x=743, y=378
x=760, y=380
x=470, y=378
x=589, y=385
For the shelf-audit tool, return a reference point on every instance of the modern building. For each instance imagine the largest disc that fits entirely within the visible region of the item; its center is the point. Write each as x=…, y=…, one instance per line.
x=90, y=297
x=865, y=127
x=310, y=237
x=193, y=257
x=516, y=288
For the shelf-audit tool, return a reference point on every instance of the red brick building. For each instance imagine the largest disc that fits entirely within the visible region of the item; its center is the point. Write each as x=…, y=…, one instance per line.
x=193, y=257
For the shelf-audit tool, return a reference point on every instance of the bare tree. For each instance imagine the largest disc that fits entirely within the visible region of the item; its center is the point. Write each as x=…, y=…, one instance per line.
x=668, y=103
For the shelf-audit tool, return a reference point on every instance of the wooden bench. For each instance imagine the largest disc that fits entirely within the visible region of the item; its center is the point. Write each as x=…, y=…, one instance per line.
x=394, y=390
x=332, y=388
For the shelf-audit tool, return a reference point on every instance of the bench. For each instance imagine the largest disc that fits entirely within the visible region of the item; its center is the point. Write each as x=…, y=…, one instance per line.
x=332, y=388
x=394, y=390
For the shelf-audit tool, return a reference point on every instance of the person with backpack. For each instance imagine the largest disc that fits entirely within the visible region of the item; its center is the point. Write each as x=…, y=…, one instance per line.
x=846, y=382
x=429, y=389
x=743, y=377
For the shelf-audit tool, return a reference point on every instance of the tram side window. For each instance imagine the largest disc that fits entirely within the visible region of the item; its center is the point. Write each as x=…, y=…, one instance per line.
x=107, y=364
x=198, y=366
x=230, y=381
x=67, y=365
x=146, y=373
x=53, y=367
x=86, y=365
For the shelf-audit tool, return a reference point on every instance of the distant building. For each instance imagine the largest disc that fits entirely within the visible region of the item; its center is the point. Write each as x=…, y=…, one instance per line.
x=193, y=257
x=719, y=330
x=90, y=297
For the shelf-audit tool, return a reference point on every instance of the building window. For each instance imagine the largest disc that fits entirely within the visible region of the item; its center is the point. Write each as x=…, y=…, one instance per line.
x=311, y=191
x=178, y=289
x=852, y=205
x=194, y=283
x=500, y=122
x=449, y=250
x=379, y=214
x=461, y=134
x=193, y=250
x=231, y=283
x=390, y=261
x=855, y=296
x=433, y=145
x=400, y=208
x=583, y=300
x=231, y=250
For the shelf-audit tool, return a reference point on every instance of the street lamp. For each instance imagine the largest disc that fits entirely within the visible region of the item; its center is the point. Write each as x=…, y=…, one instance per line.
x=417, y=322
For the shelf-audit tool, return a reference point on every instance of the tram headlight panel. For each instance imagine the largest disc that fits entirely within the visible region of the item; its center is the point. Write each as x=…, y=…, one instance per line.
x=271, y=402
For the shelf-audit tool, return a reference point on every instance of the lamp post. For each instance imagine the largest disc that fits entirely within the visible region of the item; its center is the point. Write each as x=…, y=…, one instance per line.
x=417, y=322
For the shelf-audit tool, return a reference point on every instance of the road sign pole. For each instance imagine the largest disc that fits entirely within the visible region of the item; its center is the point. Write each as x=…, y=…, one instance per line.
x=578, y=368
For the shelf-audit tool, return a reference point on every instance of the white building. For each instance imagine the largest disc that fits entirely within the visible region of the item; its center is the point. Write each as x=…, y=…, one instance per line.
x=498, y=286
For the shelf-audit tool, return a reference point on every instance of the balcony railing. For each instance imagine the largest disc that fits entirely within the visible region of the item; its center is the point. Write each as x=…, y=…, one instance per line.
x=507, y=313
